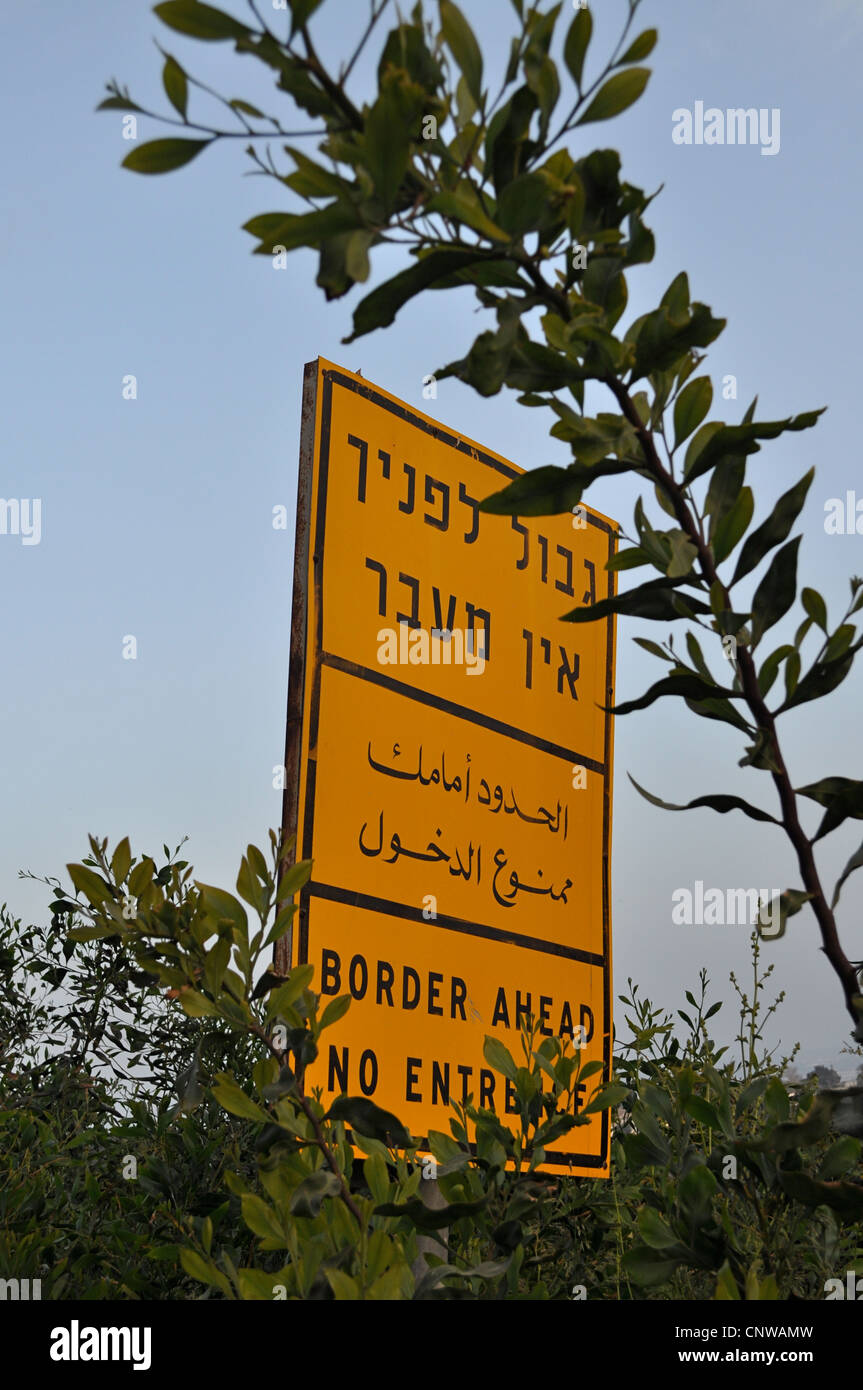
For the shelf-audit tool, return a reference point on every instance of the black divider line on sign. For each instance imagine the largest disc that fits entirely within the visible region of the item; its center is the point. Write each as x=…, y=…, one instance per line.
x=485, y=721
x=368, y=903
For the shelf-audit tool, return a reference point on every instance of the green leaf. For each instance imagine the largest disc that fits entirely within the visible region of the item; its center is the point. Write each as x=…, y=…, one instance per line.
x=223, y=906
x=307, y=1199
x=257, y=1287
x=841, y=1156
x=815, y=607
x=118, y=103
x=630, y=559
x=789, y=904
x=650, y=600
x=845, y=794
x=734, y=440
x=343, y=261
x=618, y=93
x=233, y=1098
x=199, y=21
x=260, y=1218
x=175, y=84
x=698, y=1187
x=846, y=1198
x=662, y=337
x=776, y=1099
x=490, y=358
x=204, y=1270
x=751, y=1094
x=386, y=147
x=590, y=1069
x=790, y=1135
x=258, y=862
x=301, y=13
x=689, y=687
x=499, y=1057
x=676, y=298
x=654, y=1231
x=121, y=860
x=507, y=142
x=696, y=656
x=246, y=108
x=577, y=41
x=653, y=647
x=93, y=887
x=854, y=863
x=732, y=527
x=770, y=668
x=648, y=1267
x=368, y=1118
x=249, y=887
x=345, y=1289
x=487, y=1269
x=641, y=47
x=293, y=879
x=775, y=529
x=525, y=204
x=379, y=308
x=540, y=73
x=683, y=555
x=691, y=407
x=406, y=51
x=792, y=673
x=282, y=998
x=592, y=439
x=291, y=230
x=462, y=204
x=699, y=443
x=722, y=710
x=357, y=262
x=776, y=592
x=547, y=491
x=195, y=1004
x=726, y=1286
x=461, y=41
x=295, y=78
x=432, y=1218
x=725, y=484
x=702, y=1111
x=823, y=677
x=161, y=156
x=91, y=933
x=336, y=1009
x=722, y=804
x=609, y=1096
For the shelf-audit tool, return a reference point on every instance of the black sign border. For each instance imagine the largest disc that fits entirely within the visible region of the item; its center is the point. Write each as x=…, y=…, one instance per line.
x=299, y=653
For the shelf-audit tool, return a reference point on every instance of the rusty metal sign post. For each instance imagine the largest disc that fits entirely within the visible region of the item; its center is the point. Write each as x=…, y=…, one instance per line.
x=448, y=764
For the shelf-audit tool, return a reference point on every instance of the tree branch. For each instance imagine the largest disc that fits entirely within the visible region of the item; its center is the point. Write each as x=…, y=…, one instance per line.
x=763, y=717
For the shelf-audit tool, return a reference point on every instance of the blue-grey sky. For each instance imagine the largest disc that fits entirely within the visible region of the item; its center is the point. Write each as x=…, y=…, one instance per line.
x=156, y=513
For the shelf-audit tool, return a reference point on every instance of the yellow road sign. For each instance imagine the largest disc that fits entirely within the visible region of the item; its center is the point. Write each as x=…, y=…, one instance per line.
x=449, y=762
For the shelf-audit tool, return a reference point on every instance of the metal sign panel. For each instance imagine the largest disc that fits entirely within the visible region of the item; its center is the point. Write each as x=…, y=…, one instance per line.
x=449, y=762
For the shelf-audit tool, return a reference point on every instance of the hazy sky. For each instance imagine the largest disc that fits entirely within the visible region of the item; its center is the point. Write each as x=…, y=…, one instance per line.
x=156, y=513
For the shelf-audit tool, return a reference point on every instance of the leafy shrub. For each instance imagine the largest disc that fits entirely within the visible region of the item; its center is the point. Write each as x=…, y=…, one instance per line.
x=200, y=1165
